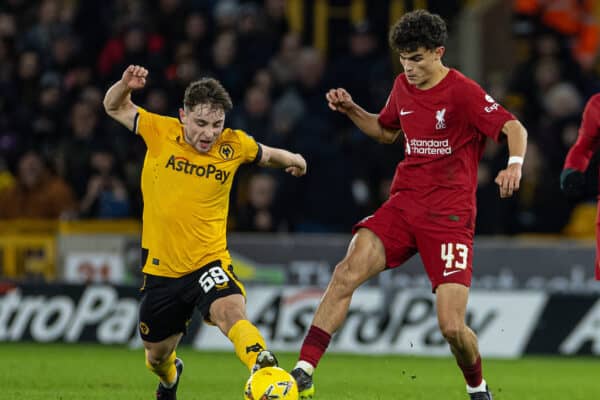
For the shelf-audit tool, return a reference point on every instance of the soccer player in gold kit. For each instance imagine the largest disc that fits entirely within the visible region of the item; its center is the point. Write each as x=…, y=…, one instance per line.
x=186, y=180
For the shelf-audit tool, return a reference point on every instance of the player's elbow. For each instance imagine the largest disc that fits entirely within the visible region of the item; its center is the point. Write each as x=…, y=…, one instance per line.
x=521, y=129
x=387, y=139
x=109, y=107
x=515, y=129
x=524, y=132
x=265, y=157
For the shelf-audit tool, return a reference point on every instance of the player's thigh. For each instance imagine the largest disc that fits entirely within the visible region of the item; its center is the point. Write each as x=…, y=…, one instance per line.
x=162, y=313
x=389, y=234
x=365, y=258
x=226, y=311
x=446, y=250
x=216, y=283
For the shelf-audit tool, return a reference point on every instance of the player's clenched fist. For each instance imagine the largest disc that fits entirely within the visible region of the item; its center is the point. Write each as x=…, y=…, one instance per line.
x=135, y=77
x=299, y=166
x=508, y=180
x=339, y=100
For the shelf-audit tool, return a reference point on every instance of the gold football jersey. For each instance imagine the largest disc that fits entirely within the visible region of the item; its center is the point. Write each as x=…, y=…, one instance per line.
x=186, y=195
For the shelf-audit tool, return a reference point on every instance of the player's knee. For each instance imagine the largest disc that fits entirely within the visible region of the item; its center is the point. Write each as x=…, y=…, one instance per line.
x=225, y=317
x=154, y=359
x=345, y=278
x=451, y=331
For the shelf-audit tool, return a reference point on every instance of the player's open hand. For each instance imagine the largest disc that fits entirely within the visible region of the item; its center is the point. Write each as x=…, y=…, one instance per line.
x=299, y=166
x=339, y=100
x=135, y=77
x=509, y=179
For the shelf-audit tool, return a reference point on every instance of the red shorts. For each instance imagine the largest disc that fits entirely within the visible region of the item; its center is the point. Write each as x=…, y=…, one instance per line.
x=444, y=241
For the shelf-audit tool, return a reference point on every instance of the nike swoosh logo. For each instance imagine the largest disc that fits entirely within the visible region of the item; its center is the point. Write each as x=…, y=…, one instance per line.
x=448, y=273
x=402, y=112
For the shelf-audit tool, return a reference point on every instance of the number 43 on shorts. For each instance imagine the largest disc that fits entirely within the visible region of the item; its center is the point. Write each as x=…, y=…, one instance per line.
x=455, y=262
x=215, y=276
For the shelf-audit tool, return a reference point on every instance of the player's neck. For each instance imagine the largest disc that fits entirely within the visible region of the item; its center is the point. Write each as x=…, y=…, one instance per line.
x=438, y=75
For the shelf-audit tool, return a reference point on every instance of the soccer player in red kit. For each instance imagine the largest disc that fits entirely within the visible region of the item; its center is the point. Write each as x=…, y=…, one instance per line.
x=444, y=119
x=572, y=179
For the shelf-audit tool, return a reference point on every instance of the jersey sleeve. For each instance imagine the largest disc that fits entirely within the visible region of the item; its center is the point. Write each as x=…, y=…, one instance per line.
x=388, y=116
x=483, y=112
x=588, y=141
x=147, y=125
x=251, y=150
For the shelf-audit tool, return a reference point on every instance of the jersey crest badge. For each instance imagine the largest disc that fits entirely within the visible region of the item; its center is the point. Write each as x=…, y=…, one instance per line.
x=226, y=151
x=440, y=116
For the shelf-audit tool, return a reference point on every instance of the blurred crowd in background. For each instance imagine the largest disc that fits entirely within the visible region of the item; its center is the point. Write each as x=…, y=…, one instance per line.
x=62, y=157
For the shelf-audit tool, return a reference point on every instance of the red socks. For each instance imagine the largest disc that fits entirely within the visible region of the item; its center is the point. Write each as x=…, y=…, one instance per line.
x=472, y=373
x=315, y=344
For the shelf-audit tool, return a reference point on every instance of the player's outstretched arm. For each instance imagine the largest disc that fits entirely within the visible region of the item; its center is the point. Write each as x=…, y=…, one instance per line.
x=509, y=179
x=117, y=101
x=273, y=157
x=340, y=100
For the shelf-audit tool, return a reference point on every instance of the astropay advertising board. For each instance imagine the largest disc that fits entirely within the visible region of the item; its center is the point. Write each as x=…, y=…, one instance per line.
x=508, y=323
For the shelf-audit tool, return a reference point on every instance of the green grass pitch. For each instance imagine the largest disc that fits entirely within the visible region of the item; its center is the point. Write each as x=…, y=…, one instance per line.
x=30, y=371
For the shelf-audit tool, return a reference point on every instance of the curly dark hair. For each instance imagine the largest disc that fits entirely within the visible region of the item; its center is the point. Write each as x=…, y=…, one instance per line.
x=207, y=91
x=416, y=29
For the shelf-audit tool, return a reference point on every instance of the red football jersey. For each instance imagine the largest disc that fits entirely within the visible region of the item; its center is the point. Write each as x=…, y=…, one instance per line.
x=445, y=128
x=579, y=156
x=588, y=141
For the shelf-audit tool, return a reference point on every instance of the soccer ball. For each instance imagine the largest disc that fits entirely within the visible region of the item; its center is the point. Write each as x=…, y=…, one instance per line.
x=271, y=383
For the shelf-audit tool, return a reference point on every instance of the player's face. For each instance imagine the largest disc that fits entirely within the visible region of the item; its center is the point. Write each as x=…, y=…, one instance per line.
x=421, y=65
x=202, y=126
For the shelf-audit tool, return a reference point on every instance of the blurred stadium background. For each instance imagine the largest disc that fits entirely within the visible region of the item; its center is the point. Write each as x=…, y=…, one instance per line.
x=69, y=179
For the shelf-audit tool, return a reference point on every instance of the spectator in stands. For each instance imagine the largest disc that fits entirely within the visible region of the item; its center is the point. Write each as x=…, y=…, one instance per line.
x=37, y=192
x=225, y=15
x=257, y=214
x=106, y=195
x=45, y=120
x=493, y=215
x=561, y=106
x=49, y=26
x=135, y=45
x=363, y=60
x=77, y=146
x=312, y=210
x=256, y=45
x=198, y=34
x=225, y=66
x=28, y=74
x=574, y=19
x=63, y=51
x=534, y=212
x=282, y=65
x=276, y=18
x=254, y=114
x=264, y=80
x=285, y=117
x=166, y=19
x=548, y=62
